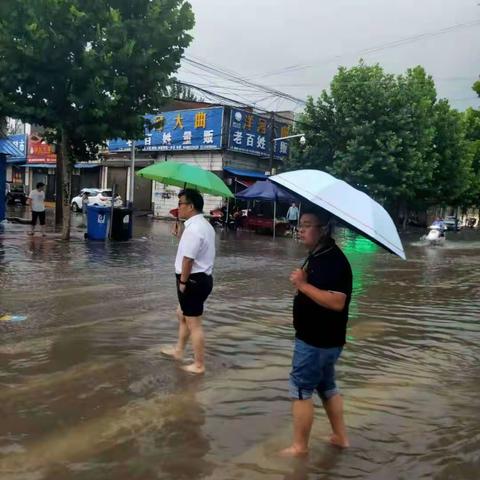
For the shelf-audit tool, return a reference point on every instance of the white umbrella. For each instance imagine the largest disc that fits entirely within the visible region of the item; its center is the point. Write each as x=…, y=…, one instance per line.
x=355, y=208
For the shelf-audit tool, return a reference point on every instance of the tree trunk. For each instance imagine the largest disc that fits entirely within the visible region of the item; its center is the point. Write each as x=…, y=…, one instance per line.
x=59, y=186
x=66, y=183
x=404, y=210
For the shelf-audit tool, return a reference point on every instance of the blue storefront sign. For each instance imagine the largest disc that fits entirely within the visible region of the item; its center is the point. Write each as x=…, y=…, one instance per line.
x=15, y=146
x=198, y=129
x=251, y=133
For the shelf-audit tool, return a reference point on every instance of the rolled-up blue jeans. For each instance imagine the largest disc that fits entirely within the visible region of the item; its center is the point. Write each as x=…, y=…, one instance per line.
x=313, y=369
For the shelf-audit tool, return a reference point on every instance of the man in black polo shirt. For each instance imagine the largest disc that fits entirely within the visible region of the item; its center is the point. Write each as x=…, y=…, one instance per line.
x=320, y=315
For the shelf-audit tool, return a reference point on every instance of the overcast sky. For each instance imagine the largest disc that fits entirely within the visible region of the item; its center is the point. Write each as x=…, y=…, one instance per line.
x=257, y=37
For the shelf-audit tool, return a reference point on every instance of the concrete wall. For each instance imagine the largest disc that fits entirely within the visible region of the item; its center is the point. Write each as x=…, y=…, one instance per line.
x=165, y=198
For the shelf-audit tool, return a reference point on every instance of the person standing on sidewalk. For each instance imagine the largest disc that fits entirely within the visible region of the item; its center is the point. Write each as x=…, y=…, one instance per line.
x=37, y=201
x=193, y=269
x=292, y=217
x=320, y=316
x=84, y=209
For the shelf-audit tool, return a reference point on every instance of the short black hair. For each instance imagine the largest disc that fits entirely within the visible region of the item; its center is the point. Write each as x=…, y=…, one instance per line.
x=194, y=197
x=40, y=184
x=324, y=218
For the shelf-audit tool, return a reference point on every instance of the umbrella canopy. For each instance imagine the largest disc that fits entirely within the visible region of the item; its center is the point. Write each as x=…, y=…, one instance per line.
x=355, y=208
x=186, y=176
x=266, y=191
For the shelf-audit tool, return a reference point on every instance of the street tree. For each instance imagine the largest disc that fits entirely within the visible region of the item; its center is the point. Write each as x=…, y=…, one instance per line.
x=374, y=130
x=471, y=118
x=87, y=70
x=452, y=173
x=178, y=91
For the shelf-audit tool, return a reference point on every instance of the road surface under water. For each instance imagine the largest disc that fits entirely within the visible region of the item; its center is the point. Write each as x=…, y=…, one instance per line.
x=85, y=393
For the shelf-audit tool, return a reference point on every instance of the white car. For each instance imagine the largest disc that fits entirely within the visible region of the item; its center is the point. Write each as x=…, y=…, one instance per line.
x=96, y=196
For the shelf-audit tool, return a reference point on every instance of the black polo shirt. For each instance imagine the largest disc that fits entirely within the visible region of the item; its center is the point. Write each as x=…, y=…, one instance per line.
x=327, y=269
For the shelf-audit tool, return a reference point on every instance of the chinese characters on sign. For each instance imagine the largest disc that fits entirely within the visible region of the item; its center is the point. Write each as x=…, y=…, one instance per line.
x=39, y=151
x=250, y=133
x=198, y=129
x=19, y=142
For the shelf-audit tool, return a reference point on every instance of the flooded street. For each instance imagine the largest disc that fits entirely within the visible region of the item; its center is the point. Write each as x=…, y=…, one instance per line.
x=86, y=395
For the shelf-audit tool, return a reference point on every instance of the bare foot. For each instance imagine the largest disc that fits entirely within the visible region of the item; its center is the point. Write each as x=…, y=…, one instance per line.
x=172, y=352
x=338, y=441
x=193, y=368
x=293, y=451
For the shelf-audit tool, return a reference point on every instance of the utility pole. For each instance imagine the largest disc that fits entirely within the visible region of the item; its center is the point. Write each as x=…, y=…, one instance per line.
x=272, y=141
x=132, y=175
x=60, y=165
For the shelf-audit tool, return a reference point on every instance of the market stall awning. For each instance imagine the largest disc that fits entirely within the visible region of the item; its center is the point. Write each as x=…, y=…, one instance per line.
x=266, y=191
x=238, y=172
x=39, y=165
x=87, y=165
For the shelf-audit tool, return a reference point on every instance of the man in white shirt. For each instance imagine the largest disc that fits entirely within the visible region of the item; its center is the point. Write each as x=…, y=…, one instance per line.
x=193, y=269
x=292, y=216
x=37, y=200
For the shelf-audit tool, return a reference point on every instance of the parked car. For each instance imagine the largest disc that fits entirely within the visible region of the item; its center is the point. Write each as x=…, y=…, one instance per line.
x=452, y=223
x=96, y=196
x=15, y=192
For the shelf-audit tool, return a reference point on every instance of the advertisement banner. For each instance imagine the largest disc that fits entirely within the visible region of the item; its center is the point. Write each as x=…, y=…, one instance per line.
x=197, y=129
x=39, y=151
x=251, y=133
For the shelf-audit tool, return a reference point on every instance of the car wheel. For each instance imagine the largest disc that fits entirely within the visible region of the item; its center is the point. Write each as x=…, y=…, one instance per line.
x=75, y=207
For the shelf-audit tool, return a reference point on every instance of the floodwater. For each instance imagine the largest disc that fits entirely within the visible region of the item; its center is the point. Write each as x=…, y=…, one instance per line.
x=86, y=395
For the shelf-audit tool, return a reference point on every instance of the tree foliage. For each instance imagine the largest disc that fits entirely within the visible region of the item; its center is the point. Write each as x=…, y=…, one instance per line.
x=471, y=119
x=389, y=136
x=88, y=70
x=178, y=91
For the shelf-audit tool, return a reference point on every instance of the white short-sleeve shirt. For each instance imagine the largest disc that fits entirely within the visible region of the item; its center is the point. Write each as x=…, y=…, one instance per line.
x=197, y=242
x=38, y=200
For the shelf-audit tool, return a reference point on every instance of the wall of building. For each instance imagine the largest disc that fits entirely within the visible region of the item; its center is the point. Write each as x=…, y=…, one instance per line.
x=245, y=162
x=165, y=198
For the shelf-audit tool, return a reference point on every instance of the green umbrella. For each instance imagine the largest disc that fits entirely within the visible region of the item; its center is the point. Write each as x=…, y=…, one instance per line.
x=186, y=176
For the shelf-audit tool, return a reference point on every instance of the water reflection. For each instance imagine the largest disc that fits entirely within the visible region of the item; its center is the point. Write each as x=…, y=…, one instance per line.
x=85, y=393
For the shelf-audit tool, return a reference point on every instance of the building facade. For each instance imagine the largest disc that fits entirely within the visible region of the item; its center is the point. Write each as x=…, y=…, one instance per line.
x=236, y=144
x=218, y=138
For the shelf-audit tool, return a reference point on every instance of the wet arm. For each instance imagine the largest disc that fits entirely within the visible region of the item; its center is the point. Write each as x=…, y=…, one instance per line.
x=325, y=298
x=187, y=264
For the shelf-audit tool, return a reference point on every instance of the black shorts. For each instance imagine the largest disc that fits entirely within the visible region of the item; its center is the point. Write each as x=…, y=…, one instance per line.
x=198, y=288
x=40, y=216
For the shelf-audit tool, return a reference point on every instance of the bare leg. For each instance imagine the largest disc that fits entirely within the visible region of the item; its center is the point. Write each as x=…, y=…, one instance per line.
x=198, y=342
x=302, y=411
x=177, y=350
x=334, y=408
x=42, y=229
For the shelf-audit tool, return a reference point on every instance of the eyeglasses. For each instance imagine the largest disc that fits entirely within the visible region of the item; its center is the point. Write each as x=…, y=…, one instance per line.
x=184, y=203
x=306, y=226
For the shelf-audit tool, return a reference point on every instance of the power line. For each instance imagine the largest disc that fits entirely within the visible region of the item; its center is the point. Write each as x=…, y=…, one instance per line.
x=377, y=48
x=243, y=81
x=234, y=77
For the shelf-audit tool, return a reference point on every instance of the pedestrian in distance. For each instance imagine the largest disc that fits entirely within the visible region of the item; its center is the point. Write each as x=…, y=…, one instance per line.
x=292, y=217
x=84, y=208
x=36, y=200
x=320, y=316
x=193, y=270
